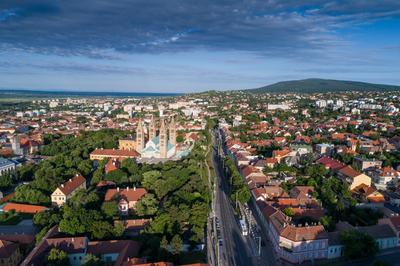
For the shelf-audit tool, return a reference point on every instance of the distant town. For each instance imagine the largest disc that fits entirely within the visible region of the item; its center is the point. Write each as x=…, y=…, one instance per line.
x=213, y=178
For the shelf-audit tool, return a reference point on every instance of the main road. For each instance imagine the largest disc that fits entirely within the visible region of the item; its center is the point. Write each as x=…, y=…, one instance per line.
x=232, y=248
x=235, y=249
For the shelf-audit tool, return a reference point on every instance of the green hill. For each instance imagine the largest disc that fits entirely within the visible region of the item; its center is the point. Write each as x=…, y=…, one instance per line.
x=323, y=85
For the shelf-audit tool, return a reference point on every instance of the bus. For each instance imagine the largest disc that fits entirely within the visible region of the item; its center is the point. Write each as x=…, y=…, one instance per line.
x=243, y=226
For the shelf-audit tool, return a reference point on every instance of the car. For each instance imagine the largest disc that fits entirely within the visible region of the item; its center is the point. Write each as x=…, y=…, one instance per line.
x=220, y=242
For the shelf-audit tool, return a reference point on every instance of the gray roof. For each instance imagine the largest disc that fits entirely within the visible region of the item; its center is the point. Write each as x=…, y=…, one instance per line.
x=5, y=162
x=378, y=231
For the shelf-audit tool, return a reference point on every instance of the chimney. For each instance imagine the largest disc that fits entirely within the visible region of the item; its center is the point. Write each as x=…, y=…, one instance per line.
x=70, y=180
x=118, y=189
x=134, y=188
x=72, y=240
x=127, y=188
x=76, y=175
x=62, y=185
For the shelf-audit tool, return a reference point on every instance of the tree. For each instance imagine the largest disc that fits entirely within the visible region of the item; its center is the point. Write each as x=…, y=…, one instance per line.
x=110, y=209
x=150, y=178
x=57, y=257
x=101, y=230
x=289, y=211
x=47, y=218
x=129, y=165
x=92, y=260
x=28, y=194
x=118, y=176
x=358, y=244
x=176, y=244
x=179, y=138
x=78, y=220
x=5, y=181
x=26, y=172
x=85, y=167
x=164, y=243
x=147, y=205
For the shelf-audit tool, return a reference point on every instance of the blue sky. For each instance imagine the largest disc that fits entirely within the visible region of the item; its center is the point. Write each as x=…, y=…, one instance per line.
x=187, y=46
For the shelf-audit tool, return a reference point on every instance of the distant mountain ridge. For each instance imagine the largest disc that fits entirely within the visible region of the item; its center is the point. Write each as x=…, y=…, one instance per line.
x=322, y=85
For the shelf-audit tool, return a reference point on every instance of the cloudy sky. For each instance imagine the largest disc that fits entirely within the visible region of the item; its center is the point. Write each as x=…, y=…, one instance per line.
x=194, y=45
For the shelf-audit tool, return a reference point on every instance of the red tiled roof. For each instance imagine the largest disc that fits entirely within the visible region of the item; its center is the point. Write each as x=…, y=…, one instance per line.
x=348, y=171
x=23, y=208
x=125, y=249
x=131, y=194
x=271, y=160
x=330, y=163
x=304, y=233
x=68, y=244
x=112, y=165
x=248, y=169
x=72, y=184
x=115, y=153
x=288, y=202
x=280, y=153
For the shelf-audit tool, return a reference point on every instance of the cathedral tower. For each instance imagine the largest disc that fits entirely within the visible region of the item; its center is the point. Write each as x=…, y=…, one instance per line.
x=139, y=137
x=172, y=131
x=163, y=139
x=152, y=128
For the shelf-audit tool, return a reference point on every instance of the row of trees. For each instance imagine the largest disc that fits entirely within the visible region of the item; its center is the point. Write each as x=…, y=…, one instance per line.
x=239, y=189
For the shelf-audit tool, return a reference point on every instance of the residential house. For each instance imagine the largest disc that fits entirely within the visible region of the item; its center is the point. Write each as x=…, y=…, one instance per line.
x=10, y=253
x=330, y=164
x=353, y=178
x=361, y=164
x=271, y=162
x=280, y=154
x=113, y=252
x=133, y=227
x=368, y=194
x=67, y=190
x=112, y=164
x=383, y=234
x=394, y=223
x=394, y=198
x=297, y=244
x=126, y=198
x=335, y=246
x=385, y=177
x=324, y=149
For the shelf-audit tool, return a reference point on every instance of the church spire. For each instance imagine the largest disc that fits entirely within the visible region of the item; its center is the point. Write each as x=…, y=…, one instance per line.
x=172, y=131
x=139, y=136
x=152, y=128
x=163, y=139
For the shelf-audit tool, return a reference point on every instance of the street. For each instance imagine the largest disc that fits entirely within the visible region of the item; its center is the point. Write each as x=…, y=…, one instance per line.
x=233, y=248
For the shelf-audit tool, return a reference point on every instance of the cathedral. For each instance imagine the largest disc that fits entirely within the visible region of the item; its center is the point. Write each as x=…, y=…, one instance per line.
x=161, y=146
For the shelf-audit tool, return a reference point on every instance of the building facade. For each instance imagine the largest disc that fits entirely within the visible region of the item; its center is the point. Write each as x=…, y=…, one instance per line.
x=65, y=191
